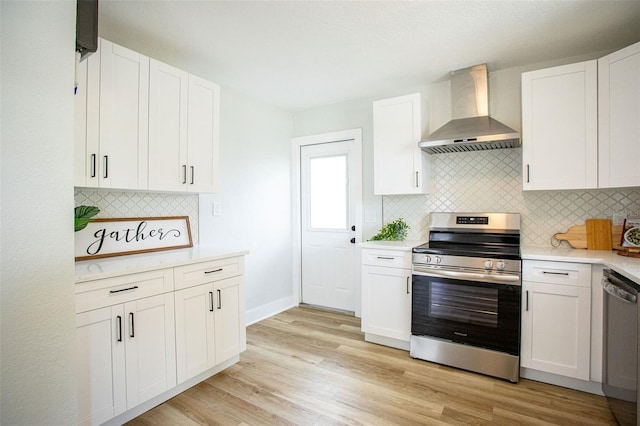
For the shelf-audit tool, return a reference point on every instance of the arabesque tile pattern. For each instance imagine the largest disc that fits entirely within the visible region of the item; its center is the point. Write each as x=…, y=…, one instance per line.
x=492, y=181
x=118, y=204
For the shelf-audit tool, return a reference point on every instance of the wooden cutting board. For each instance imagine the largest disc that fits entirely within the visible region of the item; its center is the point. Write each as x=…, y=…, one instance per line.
x=577, y=235
x=599, y=234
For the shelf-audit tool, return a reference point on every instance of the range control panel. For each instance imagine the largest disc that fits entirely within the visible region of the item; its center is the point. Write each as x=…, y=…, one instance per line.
x=472, y=220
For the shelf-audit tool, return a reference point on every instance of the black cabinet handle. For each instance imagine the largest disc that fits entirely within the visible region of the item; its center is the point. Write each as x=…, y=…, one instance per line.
x=93, y=165
x=353, y=241
x=192, y=175
x=106, y=166
x=132, y=323
x=213, y=271
x=119, y=328
x=528, y=181
x=184, y=173
x=527, y=303
x=408, y=278
x=219, y=299
x=123, y=289
x=417, y=184
x=211, y=301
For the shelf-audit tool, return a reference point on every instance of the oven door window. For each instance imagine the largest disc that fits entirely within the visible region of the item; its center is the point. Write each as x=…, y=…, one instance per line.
x=480, y=314
x=464, y=304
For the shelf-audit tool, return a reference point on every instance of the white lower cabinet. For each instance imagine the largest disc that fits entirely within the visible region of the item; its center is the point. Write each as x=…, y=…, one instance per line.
x=126, y=349
x=137, y=338
x=207, y=326
x=101, y=365
x=386, y=296
x=556, y=318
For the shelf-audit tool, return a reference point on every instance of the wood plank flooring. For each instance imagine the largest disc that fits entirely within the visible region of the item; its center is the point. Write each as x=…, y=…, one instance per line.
x=312, y=367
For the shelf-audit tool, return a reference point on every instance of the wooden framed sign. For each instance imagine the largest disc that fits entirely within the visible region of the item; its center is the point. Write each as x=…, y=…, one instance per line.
x=119, y=237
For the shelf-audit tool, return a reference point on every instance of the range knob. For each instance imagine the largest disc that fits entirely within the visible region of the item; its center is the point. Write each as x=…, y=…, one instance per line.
x=488, y=264
x=438, y=259
x=500, y=265
x=427, y=259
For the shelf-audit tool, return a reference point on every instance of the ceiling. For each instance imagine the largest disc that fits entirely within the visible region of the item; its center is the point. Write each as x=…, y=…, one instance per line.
x=299, y=55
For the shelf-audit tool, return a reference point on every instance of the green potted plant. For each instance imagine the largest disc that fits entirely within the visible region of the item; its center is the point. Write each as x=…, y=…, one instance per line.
x=392, y=231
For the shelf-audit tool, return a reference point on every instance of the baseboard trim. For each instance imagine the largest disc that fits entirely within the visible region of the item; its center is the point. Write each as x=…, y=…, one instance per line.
x=565, y=382
x=270, y=309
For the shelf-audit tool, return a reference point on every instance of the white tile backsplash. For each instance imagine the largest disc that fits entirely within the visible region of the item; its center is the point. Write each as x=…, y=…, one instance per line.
x=491, y=181
x=118, y=204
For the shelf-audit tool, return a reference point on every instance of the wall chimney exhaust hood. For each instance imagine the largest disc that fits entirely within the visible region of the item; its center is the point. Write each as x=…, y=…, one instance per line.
x=471, y=128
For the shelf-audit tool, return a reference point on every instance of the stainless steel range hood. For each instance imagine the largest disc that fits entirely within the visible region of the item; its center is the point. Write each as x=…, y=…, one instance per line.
x=471, y=128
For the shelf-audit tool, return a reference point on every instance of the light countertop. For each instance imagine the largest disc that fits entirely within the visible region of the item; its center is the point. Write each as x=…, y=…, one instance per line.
x=627, y=266
x=406, y=245
x=88, y=270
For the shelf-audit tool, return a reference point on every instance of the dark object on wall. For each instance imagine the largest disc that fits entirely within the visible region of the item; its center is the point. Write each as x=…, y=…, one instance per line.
x=86, y=27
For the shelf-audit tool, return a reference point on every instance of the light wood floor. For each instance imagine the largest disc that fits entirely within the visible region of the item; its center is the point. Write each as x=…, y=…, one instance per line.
x=312, y=367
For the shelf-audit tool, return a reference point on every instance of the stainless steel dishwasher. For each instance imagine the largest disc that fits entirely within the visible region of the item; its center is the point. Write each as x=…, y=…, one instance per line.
x=620, y=346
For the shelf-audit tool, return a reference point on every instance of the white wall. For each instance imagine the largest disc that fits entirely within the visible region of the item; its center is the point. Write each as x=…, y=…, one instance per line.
x=255, y=200
x=37, y=291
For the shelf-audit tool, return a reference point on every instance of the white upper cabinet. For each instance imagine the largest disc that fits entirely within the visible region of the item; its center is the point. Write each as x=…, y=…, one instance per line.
x=111, y=129
x=619, y=118
x=203, y=135
x=400, y=166
x=560, y=127
x=142, y=124
x=184, y=122
x=168, y=96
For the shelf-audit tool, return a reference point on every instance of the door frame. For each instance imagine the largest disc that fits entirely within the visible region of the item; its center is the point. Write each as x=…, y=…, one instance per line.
x=296, y=203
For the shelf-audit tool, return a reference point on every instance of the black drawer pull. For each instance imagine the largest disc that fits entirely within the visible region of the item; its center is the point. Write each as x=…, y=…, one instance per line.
x=211, y=272
x=386, y=258
x=555, y=273
x=123, y=289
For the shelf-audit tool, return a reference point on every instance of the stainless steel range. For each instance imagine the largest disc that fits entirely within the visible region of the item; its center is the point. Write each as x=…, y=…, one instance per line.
x=467, y=293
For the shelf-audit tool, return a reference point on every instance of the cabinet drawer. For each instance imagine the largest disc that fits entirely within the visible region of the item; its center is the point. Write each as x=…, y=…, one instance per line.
x=566, y=273
x=111, y=291
x=388, y=258
x=206, y=272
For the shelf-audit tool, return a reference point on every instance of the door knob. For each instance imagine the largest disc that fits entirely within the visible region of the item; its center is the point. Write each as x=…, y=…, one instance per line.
x=353, y=241
x=353, y=227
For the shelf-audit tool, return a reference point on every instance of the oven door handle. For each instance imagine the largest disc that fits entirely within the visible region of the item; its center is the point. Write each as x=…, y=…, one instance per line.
x=465, y=275
x=617, y=292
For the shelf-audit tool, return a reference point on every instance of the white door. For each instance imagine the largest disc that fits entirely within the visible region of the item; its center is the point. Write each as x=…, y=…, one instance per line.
x=329, y=180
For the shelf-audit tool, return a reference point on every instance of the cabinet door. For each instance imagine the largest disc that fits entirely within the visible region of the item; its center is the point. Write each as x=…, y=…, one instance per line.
x=559, y=127
x=87, y=122
x=168, y=98
x=400, y=166
x=556, y=329
x=203, y=135
x=124, y=98
x=386, y=302
x=619, y=118
x=227, y=318
x=150, y=347
x=195, y=344
x=101, y=365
